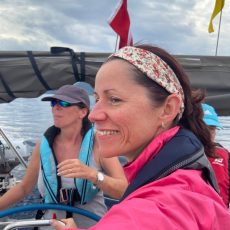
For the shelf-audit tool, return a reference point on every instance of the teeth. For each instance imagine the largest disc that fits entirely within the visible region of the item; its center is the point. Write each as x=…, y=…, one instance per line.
x=106, y=132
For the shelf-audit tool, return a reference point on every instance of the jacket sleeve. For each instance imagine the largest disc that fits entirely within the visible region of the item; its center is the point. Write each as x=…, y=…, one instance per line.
x=134, y=215
x=180, y=201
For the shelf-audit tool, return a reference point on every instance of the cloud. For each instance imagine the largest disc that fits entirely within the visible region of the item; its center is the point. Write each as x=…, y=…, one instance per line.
x=180, y=26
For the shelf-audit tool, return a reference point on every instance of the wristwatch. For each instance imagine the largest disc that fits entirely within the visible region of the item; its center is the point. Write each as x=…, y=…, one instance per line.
x=100, y=177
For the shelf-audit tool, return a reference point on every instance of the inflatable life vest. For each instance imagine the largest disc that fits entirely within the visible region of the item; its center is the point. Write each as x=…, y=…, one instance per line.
x=86, y=190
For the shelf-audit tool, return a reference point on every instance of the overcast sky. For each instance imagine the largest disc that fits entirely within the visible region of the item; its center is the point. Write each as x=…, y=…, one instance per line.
x=180, y=26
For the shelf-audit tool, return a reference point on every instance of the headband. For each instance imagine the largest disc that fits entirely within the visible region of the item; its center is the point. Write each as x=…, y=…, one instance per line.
x=154, y=68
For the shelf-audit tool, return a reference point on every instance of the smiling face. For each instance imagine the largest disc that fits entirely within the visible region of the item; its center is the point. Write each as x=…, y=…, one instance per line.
x=125, y=118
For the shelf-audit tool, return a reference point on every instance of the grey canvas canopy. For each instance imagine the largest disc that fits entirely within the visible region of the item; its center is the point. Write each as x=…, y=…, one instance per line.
x=30, y=74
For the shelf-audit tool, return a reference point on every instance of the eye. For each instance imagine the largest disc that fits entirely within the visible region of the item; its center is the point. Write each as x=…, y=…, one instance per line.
x=96, y=99
x=115, y=100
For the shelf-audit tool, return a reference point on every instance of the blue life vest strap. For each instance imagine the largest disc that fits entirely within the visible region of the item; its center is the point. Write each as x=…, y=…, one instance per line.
x=85, y=187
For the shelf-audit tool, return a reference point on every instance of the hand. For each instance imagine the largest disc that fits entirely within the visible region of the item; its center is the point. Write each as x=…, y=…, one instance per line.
x=69, y=223
x=73, y=168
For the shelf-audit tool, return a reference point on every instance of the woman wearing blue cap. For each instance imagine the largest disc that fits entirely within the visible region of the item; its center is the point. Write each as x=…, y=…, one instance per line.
x=67, y=164
x=220, y=162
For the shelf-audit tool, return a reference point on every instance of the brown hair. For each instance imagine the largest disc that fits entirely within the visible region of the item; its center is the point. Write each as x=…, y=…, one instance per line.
x=192, y=118
x=86, y=123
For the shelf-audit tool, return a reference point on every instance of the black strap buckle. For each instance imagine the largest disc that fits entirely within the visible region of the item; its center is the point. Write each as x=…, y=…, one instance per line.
x=69, y=196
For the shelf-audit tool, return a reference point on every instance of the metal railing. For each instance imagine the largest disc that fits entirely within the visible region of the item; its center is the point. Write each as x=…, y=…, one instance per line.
x=20, y=158
x=26, y=223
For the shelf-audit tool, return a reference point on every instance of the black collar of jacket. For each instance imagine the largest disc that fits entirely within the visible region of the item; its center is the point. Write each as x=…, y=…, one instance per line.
x=183, y=151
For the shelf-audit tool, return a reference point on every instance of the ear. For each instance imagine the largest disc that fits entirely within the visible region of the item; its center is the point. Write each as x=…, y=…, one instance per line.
x=171, y=109
x=83, y=112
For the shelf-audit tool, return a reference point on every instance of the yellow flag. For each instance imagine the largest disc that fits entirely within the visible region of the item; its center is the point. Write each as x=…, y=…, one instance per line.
x=218, y=7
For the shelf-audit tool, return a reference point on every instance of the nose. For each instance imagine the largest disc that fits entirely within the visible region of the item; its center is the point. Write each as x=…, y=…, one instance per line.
x=97, y=113
x=57, y=107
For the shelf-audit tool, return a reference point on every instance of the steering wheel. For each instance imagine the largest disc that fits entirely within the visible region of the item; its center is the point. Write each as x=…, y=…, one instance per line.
x=33, y=207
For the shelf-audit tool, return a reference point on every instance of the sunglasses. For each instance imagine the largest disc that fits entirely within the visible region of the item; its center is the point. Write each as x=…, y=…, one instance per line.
x=63, y=104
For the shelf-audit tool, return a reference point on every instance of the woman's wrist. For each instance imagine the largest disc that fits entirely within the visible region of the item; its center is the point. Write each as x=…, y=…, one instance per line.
x=98, y=178
x=93, y=177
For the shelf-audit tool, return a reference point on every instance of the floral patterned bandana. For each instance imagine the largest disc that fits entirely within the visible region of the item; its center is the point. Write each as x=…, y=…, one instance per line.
x=155, y=68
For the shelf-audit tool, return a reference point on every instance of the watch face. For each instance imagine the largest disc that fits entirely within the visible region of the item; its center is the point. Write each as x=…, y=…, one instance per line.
x=100, y=176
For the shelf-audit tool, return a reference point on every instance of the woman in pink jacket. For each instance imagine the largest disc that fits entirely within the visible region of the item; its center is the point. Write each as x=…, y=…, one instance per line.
x=146, y=111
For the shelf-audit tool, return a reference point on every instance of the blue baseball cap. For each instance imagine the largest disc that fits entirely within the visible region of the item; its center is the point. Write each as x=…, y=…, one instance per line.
x=210, y=116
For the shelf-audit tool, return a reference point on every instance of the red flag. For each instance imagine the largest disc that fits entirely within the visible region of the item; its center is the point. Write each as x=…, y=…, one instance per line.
x=120, y=23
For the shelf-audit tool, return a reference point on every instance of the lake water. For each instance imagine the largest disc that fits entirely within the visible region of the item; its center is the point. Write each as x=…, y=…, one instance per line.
x=27, y=119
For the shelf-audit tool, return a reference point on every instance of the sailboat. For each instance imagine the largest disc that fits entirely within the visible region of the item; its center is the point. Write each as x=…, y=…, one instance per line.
x=30, y=74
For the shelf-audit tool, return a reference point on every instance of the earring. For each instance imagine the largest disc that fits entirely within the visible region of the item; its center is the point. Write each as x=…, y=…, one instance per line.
x=163, y=125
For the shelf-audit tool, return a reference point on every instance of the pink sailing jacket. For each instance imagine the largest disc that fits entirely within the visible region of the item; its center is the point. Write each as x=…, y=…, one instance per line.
x=180, y=200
